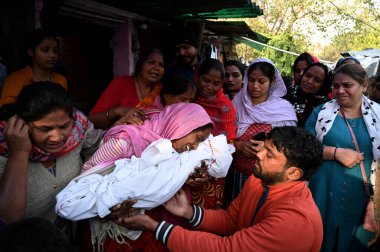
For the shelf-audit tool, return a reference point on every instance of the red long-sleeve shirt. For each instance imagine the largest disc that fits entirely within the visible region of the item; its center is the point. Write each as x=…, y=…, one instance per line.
x=288, y=221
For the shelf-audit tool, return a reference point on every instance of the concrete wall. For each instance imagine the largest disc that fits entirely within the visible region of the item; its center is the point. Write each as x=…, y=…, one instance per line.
x=123, y=57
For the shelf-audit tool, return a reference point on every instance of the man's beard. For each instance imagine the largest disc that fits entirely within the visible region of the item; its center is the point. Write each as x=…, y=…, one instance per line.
x=268, y=178
x=187, y=59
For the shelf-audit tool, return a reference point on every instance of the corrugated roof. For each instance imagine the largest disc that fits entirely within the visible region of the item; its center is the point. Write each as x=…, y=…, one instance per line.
x=190, y=9
x=234, y=28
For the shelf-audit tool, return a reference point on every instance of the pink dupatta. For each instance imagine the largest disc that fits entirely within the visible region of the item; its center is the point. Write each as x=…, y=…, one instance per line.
x=174, y=122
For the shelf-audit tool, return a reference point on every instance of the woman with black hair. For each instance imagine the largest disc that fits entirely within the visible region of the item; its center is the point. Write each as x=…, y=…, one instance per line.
x=313, y=90
x=345, y=61
x=41, y=55
x=300, y=64
x=233, y=79
x=348, y=127
x=121, y=100
x=42, y=146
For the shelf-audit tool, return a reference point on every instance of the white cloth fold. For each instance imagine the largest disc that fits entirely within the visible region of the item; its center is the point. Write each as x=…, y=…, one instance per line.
x=151, y=180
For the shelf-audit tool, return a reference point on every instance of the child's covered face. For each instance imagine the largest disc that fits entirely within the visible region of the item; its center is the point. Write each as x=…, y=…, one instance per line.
x=191, y=140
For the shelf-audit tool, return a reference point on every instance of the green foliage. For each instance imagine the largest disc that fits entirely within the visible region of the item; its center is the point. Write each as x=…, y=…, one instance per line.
x=349, y=25
x=363, y=34
x=246, y=53
x=284, y=61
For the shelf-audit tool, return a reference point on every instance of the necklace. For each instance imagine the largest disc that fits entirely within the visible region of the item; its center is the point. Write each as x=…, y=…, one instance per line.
x=38, y=78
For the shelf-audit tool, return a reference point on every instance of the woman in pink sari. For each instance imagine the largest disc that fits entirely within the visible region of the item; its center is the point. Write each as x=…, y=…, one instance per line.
x=185, y=124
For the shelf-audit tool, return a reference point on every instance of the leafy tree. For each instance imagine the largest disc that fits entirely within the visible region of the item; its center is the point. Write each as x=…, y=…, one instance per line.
x=288, y=42
x=350, y=25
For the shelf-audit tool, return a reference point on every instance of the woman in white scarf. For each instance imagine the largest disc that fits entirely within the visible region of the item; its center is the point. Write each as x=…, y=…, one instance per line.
x=337, y=187
x=259, y=108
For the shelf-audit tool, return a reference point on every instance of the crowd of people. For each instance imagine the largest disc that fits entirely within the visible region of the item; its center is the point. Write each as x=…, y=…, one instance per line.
x=301, y=159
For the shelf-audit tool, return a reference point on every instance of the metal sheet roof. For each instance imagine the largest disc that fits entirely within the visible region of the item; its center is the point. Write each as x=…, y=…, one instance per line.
x=190, y=9
x=236, y=30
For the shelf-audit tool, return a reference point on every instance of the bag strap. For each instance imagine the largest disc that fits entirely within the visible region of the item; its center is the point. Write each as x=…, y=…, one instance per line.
x=364, y=175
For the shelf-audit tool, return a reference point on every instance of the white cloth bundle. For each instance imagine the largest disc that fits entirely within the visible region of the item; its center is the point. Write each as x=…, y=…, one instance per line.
x=152, y=179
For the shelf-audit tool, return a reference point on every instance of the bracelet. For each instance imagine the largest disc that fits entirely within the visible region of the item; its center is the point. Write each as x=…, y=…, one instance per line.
x=335, y=152
x=108, y=115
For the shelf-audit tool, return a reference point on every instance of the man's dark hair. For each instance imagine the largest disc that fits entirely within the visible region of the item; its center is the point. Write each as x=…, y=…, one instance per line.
x=301, y=148
x=34, y=235
x=185, y=35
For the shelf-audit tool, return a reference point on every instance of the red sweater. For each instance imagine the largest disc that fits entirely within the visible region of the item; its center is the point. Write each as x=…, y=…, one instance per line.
x=120, y=92
x=288, y=221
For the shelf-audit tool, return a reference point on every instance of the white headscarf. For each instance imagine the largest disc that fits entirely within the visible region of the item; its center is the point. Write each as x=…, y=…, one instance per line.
x=274, y=109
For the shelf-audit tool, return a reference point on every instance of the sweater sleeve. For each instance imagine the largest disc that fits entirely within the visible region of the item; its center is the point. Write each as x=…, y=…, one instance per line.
x=221, y=222
x=284, y=227
x=113, y=149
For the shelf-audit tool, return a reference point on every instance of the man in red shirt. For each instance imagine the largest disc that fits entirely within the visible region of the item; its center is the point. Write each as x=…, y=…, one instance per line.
x=275, y=210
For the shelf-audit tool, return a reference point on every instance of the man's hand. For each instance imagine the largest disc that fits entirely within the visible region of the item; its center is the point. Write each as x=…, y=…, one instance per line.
x=120, y=210
x=179, y=205
x=138, y=222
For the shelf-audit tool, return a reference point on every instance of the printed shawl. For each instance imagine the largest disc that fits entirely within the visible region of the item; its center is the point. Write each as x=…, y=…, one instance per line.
x=371, y=116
